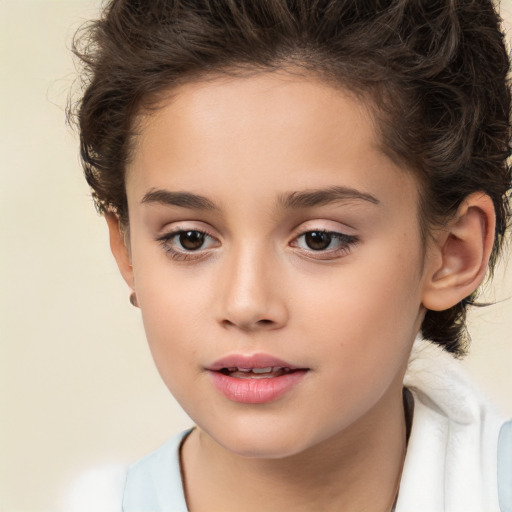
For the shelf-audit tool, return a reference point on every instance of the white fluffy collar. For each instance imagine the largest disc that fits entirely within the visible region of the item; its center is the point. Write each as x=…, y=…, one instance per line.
x=452, y=453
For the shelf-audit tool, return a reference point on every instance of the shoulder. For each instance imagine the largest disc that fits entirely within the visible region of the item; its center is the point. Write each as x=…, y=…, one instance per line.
x=156, y=480
x=505, y=467
x=99, y=489
x=452, y=456
x=441, y=383
x=145, y=485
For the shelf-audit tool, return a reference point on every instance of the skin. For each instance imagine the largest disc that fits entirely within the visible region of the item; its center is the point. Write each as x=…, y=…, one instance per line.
x=348, y=313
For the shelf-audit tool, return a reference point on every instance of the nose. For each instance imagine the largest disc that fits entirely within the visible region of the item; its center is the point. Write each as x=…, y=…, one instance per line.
x=252, y=296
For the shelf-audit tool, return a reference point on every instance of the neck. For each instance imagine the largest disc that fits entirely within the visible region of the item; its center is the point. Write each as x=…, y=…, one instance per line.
x=358, y=469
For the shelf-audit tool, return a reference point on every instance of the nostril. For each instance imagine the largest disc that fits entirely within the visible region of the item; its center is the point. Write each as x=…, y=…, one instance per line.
x=264, y=322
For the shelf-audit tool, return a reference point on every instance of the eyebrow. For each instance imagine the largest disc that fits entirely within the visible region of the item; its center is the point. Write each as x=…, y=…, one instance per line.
x=290, y=200
x=321, y=197
x=181, y=199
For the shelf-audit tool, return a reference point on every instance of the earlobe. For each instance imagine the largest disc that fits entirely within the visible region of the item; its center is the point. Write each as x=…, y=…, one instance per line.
x=119, y=248
x=459, y=257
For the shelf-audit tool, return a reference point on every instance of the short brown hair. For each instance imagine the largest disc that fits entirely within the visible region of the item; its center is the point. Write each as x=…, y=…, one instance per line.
x=436, y=71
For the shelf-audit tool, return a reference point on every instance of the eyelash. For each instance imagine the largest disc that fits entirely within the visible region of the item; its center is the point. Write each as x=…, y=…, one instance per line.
x=345, y=241
x=182, y=254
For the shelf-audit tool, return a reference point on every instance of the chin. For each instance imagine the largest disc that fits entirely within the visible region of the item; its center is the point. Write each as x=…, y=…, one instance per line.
x=254, y=443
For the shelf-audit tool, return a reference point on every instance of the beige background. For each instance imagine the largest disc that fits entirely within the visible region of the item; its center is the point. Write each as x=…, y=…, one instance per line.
x=78, y=387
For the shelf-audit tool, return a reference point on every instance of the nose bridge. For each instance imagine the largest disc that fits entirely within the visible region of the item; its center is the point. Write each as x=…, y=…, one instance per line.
x=249, y=288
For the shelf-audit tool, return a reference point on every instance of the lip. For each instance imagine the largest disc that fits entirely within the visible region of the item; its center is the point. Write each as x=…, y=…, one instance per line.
x=254, y=390
x=250, y=361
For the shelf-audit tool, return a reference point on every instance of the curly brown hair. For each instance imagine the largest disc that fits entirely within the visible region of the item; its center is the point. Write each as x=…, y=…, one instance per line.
x=435, y=71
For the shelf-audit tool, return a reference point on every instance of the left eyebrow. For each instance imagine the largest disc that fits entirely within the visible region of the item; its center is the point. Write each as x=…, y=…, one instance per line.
x=321, y=197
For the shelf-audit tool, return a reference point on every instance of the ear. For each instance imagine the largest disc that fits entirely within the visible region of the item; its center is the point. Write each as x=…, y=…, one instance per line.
x=457, y=260
x=119, y=249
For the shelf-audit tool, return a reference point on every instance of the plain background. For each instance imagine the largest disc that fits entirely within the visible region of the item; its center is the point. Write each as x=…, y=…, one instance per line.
x=78, y=386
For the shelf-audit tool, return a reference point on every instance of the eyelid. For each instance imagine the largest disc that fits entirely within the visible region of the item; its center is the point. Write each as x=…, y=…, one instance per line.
x=334, y=234
x=345, y=240
x=326, y=225
x=176, y=231
x=345, y=235
x=185, y=225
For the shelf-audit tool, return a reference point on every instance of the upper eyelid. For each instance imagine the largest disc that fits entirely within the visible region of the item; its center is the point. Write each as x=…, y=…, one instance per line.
x=167, y=232
x=340, y=233
x=323, y=224
x=319, y=255
x=350, y=239
x=173, y=233
x=300, y=230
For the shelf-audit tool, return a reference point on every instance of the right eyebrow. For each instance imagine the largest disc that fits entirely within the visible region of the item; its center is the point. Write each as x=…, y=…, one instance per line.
x=180, y=199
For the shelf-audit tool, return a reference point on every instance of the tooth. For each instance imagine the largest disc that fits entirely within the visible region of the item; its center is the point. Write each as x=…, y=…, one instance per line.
x=245, y=370
x=262, y=370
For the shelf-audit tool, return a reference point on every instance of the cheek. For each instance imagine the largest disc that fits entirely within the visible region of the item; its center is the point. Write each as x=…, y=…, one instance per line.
x=361, y=331
x=173, y=306
x=366, y=313
x=370, y=293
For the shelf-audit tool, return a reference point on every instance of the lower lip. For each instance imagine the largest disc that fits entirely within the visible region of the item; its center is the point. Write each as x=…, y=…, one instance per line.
x=256, y=390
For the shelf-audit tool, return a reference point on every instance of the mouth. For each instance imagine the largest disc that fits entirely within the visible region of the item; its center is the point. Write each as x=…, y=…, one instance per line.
x=258, y=364
x=254, y=379
x=269, y=372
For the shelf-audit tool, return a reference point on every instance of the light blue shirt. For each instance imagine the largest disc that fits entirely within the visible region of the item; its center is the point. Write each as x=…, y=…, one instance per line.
x=505, y=467
x=154, y=484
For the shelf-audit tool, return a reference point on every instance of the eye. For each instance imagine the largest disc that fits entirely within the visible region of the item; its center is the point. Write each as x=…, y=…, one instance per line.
x=190, y=240
x=329, y=244
x=317, y=240
x=185, y=244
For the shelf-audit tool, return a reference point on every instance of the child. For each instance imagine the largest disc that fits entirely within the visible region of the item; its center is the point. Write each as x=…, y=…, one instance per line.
x=295, y=192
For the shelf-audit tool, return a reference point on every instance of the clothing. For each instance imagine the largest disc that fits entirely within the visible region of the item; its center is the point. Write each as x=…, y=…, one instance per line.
x=154, y=483
x=452, y=456
x=451, y=463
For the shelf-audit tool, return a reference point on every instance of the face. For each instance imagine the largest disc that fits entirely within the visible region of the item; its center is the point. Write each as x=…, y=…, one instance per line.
x=277, y=260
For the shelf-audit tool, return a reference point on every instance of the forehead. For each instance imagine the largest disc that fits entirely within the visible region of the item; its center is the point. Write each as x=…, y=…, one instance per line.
x=268, y=131
x=259, y=106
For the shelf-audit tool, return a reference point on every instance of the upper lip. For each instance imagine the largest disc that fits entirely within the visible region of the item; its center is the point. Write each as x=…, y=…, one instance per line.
x=251, y=361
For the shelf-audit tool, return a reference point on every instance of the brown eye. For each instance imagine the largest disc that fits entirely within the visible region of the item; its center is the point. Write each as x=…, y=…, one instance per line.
x=321, y=244
x=317, y=240
x=191, y=240
x=188, y=244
